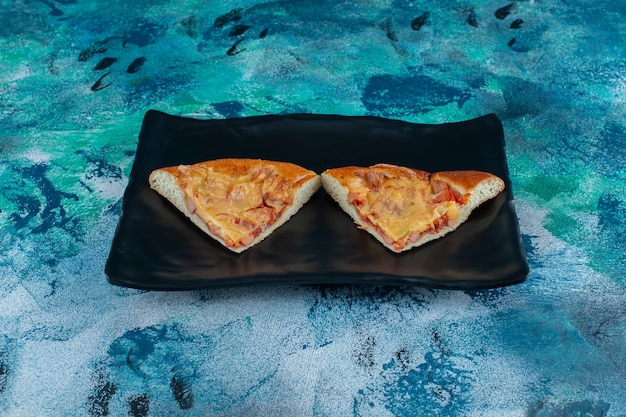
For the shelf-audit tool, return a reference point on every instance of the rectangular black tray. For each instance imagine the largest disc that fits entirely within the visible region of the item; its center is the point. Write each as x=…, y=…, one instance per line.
x=155, y=247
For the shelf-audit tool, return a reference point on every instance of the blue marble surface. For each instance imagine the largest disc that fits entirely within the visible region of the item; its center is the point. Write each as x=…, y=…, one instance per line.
x=76, y=78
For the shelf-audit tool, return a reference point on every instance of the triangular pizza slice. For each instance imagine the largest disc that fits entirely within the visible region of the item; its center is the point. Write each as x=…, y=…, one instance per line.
x=237, y=201
x=404, y=207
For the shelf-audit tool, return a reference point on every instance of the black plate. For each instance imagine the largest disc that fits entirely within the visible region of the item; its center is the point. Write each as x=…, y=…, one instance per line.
x=155, y=247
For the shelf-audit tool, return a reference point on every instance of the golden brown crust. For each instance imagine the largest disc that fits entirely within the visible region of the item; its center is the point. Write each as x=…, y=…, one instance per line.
x=241, y=166
x=344, y=174
x=463, y=180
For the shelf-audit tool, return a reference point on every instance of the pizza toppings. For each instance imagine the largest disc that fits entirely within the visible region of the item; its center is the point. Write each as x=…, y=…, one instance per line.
x=234, y=207
x=401, y=204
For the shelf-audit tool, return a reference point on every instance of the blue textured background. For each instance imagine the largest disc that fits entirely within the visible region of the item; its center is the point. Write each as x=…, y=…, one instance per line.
x=76, y=78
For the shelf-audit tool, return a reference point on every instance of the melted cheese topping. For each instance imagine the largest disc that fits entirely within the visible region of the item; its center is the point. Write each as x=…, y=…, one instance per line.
x=401, y=204
x=236, y=206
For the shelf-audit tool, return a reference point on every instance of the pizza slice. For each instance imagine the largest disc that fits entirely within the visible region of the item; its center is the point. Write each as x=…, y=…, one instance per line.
x=403, y=207
x=236, y=201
